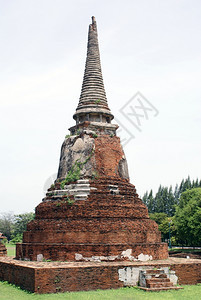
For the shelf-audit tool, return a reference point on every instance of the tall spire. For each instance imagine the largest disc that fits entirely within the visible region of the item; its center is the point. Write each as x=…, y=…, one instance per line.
x=93, y=98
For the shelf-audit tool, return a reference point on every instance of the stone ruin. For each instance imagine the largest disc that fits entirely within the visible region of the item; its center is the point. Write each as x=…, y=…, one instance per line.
x=3, y=250
x=92, y=212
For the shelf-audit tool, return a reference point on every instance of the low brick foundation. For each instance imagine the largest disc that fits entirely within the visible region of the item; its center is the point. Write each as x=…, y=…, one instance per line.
x=52, y=277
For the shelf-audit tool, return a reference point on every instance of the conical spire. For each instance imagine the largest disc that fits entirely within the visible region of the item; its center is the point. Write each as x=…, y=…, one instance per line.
x=93, y=98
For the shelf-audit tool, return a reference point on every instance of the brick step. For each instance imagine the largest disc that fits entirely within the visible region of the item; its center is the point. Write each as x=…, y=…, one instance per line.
x=107, y=184
x=80, y=197
x=155, y=279
x=108, y=192
x=100, y=192
x=121, y=192
x=154, y=272
x=79, y=191
x=160, y=288
x=163, y=275
x=148, y=276
x=83, y=185
x=83, y=181
x=160, y=284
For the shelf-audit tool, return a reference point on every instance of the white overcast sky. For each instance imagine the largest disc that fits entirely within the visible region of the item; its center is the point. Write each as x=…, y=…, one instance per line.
x=151, y=46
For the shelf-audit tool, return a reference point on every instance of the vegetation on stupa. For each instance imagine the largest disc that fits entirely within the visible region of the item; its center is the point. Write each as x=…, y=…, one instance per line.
x=75, y=171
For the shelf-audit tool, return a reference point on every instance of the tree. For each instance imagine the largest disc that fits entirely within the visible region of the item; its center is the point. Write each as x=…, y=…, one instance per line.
x=159, y=200
x=170, y=210
x=145, y=199
x=13, y=226
x=158, y=217
x=20, y=225
x=176, y=194
x=151, y=202
x=187, y=184
x=165, y=199
x=6, y=224
x=165, y=225
x=188, y=218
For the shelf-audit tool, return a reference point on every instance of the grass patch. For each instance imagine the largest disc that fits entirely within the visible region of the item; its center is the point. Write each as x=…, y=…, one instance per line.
x=184, y=250
x=10, y=250
x=193, y=292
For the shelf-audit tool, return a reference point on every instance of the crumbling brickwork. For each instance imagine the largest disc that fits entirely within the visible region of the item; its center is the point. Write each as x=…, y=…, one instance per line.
x=109, y=157
x=3, y=250
x=61, y=277
x=103, y=225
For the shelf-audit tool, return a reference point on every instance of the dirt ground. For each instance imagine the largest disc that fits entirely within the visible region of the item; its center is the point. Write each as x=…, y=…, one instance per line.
x=194, y=255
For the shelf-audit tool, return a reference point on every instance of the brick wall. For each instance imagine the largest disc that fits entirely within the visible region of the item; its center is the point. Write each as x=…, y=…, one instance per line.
x=108, y=153
x=52, y=278
x=19, y=275
x=66, y=252
x=3, y=250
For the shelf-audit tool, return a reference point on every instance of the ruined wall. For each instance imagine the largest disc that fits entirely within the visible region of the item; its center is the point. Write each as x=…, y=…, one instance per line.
x=18, y=274
x=110, y=158
x=50, y=278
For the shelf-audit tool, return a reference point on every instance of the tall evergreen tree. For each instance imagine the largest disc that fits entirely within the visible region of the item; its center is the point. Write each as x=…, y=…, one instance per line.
x=176, y=194
x=152, y=203
x=181, y=187
x=145, y=199
x=171, y=202
x=165, y=199
x=159, y=199
x=187, y=184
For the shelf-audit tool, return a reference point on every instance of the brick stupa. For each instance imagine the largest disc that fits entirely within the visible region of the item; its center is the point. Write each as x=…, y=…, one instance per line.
x=92, y=212
x=3, y=250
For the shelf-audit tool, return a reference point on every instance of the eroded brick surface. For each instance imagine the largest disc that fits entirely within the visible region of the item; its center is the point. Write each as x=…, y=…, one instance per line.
x=103, y=225
x=52, y=277
x=3, y=250
x=109, y=221
x=109, y=156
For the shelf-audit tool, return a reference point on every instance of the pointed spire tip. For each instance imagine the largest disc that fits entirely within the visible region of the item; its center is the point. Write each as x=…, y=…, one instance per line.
x=93, y=25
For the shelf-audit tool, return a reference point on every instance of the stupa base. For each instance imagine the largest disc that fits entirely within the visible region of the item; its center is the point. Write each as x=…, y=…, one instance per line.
x=89, y=252
x=54, y=277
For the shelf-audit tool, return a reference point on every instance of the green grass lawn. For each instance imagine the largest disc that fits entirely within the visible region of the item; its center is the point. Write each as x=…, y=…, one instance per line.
x=10, y=249
x=185, y=250
x=192, y=292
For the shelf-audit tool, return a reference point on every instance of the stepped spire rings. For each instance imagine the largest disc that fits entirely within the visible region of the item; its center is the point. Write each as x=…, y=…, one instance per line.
x=93, y=106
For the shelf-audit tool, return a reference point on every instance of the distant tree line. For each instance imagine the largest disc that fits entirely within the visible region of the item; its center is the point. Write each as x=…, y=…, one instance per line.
x=12, y=226
x=166, y=199
x=177, y=212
